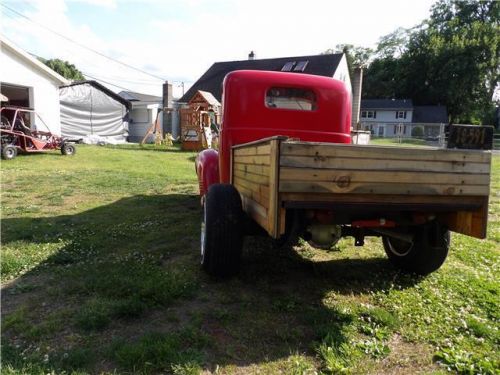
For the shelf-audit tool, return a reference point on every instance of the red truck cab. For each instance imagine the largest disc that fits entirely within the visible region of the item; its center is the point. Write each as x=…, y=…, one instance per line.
x=261, y=104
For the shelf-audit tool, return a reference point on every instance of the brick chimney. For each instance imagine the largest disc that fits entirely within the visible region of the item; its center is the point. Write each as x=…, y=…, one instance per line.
x=357, y=84
x=167, y=103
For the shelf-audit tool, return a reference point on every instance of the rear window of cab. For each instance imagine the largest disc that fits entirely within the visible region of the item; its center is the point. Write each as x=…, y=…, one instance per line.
x=291, y=98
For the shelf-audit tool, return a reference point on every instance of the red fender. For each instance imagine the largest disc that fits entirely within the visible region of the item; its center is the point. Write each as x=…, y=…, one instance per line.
x=207, y=169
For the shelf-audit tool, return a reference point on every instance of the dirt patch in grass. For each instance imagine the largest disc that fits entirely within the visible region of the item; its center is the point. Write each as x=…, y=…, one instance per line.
x=406, y=358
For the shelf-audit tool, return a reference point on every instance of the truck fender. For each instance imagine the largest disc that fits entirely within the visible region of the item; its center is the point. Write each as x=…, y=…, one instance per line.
x=207, y=169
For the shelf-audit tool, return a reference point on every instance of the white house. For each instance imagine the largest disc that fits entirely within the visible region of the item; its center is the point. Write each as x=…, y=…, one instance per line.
x=400, y=118
x=143, y=112
x=386, y=117
x=27, y=82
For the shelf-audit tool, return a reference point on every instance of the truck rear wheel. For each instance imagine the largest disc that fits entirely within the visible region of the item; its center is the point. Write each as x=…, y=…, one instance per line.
x=425, y=254
x=222, y=231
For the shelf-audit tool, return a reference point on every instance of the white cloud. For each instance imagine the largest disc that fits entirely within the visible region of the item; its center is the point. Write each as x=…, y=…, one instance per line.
x=183, y=39
x=102, y=3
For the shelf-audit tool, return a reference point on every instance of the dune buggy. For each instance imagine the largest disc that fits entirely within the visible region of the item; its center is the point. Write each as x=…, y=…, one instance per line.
x=20, y=130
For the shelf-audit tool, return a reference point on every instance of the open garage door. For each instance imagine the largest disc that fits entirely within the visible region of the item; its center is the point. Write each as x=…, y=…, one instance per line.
x=18, y=96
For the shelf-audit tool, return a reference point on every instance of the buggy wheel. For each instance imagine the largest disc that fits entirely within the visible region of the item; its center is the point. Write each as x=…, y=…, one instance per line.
x=68, y=149
x=222, y=231
x=424, y=254
x=9, y=152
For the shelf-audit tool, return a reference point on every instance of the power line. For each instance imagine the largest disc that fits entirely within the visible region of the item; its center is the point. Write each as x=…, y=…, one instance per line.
x=81, y=45
x=108, y=83
x=146, y=83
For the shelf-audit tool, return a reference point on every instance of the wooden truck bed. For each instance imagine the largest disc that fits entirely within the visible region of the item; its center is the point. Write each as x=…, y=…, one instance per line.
x=277, y=173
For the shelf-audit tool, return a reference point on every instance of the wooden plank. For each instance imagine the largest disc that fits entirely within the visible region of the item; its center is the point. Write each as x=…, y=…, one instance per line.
x=258, y=179
x=255, y=211
x=259, y=141
x=378, y=188
x=470, y=223
x=264, y=149
x=273, y=189
x=257, y=197
x=382, y=152
x=260, y=170
x=383, y=165
x=339, y=176
x=255, y=160
x=450, y=200
x=252, y=186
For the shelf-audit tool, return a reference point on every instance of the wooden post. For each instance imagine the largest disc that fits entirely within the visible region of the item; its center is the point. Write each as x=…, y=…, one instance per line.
x=273, y=214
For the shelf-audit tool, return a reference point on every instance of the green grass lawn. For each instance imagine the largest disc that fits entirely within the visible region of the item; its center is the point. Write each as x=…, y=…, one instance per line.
x=100, y=274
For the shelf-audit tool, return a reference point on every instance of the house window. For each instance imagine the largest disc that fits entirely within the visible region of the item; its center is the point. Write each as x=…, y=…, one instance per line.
x=368, y=114
x=288, y=66
x=291, y=98
x=301, y=66
x=400, y=114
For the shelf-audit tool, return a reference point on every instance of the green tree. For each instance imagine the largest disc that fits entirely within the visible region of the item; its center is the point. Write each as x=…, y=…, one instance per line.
x=454, y=58
x=450, y=59
x=64, y=68
x=356, y=56
x=394, y=44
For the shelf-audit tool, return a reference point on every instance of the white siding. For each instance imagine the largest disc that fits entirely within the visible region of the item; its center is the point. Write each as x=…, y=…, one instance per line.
x=143, y=115
x=342, y=73
x=45, y=91
x=387, y=116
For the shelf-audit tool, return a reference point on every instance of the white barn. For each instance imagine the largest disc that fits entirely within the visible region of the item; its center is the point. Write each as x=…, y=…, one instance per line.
x=27, y=82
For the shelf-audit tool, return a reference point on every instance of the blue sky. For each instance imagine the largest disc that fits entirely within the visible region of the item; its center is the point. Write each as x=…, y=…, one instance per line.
x=179, y=40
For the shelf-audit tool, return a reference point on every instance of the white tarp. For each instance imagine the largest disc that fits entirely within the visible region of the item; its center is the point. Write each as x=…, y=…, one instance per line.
x=87, y=111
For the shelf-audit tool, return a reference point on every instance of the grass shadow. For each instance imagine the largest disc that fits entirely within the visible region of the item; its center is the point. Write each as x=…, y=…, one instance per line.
x=121, y=287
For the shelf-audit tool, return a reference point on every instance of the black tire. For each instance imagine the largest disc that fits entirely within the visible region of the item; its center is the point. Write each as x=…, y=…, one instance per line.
x=425, y=254
x=222, y=231
x=9, y=152
x=68, y=149
x=293, y=229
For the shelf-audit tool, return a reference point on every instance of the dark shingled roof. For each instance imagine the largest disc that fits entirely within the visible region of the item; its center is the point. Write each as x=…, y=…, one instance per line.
x=211, y=81
x=430, y=114
x=102, y=88
x=137, y=97
x=386, y=104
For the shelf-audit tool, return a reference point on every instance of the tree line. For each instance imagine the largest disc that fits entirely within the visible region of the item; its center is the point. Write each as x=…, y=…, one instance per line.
x=450, y=59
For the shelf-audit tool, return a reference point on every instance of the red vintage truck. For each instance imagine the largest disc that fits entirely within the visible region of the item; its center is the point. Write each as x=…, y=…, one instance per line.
x=286, y=163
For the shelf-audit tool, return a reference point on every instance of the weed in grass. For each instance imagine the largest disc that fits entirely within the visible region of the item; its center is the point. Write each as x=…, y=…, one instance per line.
x=17, y=321
x=22, y=287
x=375, y=348
x=189, y=368
x=463, y=362
x=380, y=316
x=94, y=315
x=162, y=352
x=336, y=359
x=480, y=329
x=299, y=365
x=146, y=283
x=35, y=362
x=77, y=358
